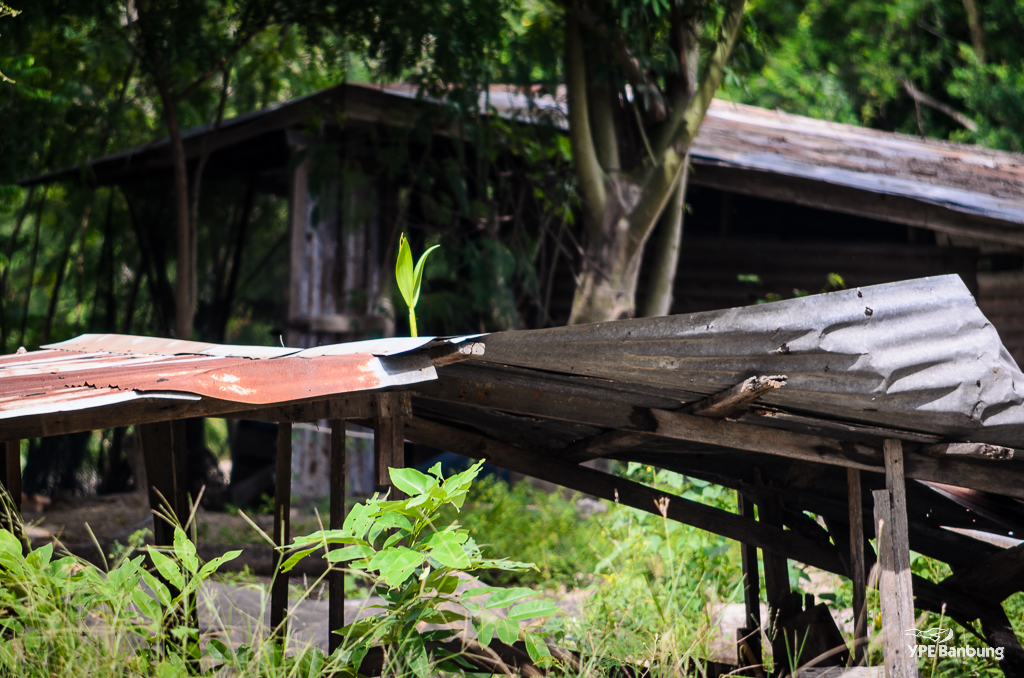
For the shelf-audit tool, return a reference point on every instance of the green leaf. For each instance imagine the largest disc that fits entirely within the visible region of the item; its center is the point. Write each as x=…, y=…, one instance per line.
x=349, y=553
x=508, y=631
x=485, y=633
x=404, y=272
x=536, y=648
x=212, y=566
x=167, y=568
x=532, y=609
x=294, y=559
x=480, y=590
x=411, y=481
x=397, y=564
x=9, y=544
x=418, y=275
x=185, y=550
x=157, y=587
x=506, y=597
x=149, y=607
x=446, y=548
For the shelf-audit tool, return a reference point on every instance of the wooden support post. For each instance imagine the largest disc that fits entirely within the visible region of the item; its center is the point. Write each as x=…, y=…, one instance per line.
x=282, y=525
x=895, y=582
x=336, y=578
x=166, y=460
x=12, y=483
x=857, y=574
x=751, y=594
x=388, y=438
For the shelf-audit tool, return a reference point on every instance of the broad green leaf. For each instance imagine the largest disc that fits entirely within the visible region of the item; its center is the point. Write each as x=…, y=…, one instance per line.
x=149, y=607
x=211, y=567
x=485, y=633
x=349, y=553
x=167, y=568
x=157, y=587
x=531, y=609
x=404, y=271
x=536, y=647
x=294, y=559
x=506, y=597
x=185, y=550
x=411, y=481
x=418, y=276
x=9, y=544
x=446, y=548
x=398, y=564
x=481, y=590
x=435, y=470
x=507, y=631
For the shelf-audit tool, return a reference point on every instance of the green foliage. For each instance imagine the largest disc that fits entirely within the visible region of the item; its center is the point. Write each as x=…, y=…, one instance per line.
x=410, y=278
x=48, y=601
x=541, y=527
x=414, y=563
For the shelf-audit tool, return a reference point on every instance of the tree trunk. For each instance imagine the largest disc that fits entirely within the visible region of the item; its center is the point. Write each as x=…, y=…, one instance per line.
x=184, y=284
x=666, y=255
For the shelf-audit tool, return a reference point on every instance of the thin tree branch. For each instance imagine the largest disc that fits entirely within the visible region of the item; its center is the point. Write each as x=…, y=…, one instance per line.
x=588, y=169
x=605, y=138
x=921, y=98
x=683, y=126
x=666, y=253
x=977, y=32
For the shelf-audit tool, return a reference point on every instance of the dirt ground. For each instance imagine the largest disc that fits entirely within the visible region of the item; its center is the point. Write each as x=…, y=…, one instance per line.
x=117, y=517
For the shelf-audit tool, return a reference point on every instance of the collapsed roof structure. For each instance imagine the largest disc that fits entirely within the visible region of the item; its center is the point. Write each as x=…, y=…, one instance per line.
x=797, y=405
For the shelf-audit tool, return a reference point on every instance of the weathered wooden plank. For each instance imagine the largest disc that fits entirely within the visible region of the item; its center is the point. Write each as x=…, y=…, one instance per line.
x=449, y=354
x=998, y=576
x=542, y=465
x=895, y=583
x=751, y=629
x=388, y=437
x=857, y=570
x=974, y=450
x=166, y=458
x=336, y=578
x=147, y=411
x=602, y=445
x=12, y=472
x=282, y=526
x=681, y=426
x=298, y=198
x=734, y=399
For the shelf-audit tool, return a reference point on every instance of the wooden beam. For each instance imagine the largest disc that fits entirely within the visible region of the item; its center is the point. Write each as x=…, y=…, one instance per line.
x=895, y=582
x=12, y=472
x=681, y=426
x=751, y=592
x=449, y=354
x=151, y=410
x=282, y=528
x=605, y=444
x=997, y=577
x=973, y=450
x=388, y=438
x=734, y=399
x=166, y=460
x=543, y=465
x=336, y=577
x=857, y=569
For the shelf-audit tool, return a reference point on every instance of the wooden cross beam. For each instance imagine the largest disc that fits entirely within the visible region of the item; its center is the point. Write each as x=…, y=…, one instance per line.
x=542, y=465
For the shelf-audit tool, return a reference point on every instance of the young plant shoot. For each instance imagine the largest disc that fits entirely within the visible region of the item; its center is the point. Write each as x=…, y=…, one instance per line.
x=409, y=278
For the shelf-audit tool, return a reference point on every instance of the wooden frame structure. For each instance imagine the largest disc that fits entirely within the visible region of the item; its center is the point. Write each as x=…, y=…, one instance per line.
x=726, y=397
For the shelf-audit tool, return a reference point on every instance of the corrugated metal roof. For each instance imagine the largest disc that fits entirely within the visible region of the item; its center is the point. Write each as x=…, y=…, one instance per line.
x=960, y=177
x=100, y=370
x=916, y=355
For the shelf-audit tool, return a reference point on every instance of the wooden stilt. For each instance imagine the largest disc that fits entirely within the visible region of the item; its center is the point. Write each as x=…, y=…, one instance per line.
x=857, y=574
x=388, y=439
x=166, y=460
x=11, y=478
x=336, y=578
x=282, y=525
x=751, y=629
x=895, y=587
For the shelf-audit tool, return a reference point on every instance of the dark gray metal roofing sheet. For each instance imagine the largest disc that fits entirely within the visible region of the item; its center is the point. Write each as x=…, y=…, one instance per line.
x=916, y=355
